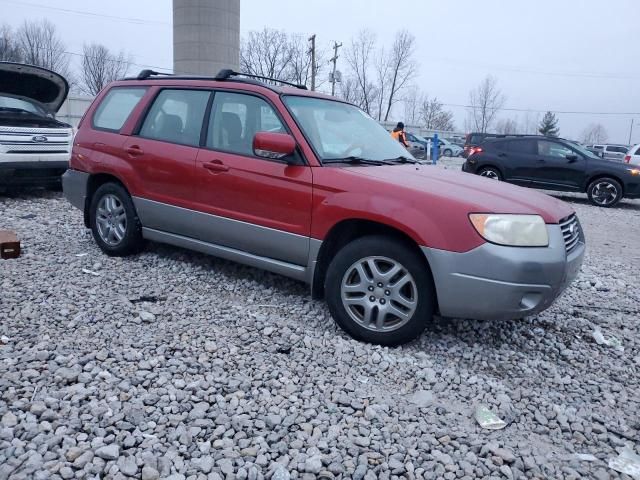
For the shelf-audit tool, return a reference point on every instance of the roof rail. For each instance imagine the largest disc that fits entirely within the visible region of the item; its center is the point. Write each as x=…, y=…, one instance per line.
x=227, y=74
x=223, y=75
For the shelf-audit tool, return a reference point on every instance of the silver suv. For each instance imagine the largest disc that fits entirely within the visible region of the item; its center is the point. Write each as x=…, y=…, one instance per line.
x=34, y=147
x=609, y=152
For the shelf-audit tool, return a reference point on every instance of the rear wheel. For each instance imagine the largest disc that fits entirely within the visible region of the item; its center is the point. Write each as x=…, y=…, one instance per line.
x=604, y=192
x=490, y=173
x=379, y=291
x=447, y=152
x=114, y=221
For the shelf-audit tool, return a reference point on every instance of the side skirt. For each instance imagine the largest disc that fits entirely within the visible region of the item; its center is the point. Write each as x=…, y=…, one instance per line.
x=296, y=272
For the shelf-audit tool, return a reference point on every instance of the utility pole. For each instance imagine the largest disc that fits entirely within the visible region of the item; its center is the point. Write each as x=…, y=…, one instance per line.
x=630, y=131
x=312, y=50
x=334, y=60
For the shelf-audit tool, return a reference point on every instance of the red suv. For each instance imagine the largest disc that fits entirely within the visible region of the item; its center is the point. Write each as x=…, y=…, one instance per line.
x=311, y=187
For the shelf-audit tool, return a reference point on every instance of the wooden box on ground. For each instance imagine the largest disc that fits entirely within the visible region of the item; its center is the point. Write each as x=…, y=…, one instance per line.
x=9, y=245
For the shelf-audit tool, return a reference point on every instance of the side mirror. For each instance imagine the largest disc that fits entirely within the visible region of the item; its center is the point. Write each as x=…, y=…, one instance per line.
x=572, y=157
x=273, y=145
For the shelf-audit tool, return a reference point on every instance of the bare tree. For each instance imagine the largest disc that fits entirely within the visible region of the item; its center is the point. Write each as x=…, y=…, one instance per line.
x=412, y=104
x=507, y=126
x=594, y=133
x=485, y=102
x=383, y=68
x=9, y=50
x=100, y=66
x=359, y=56
x=530, y=123
x=40, y=45
x=267, y=53
x=434, y=116
x=402, y=68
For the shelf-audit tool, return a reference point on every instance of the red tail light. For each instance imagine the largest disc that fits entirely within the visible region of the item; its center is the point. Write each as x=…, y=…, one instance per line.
x=627, y=158
x=475, y=150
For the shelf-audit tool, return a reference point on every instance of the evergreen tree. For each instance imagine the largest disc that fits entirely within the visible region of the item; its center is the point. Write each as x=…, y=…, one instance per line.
x=549, y=125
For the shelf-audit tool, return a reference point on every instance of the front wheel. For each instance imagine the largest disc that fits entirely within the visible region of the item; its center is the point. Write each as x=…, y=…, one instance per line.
x=604, y=192
x=490, y=173
x=379, y=290
x=447, y=153
x=114, y=221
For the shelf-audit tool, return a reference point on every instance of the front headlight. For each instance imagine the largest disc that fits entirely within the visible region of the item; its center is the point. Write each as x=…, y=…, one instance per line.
x=511, y=230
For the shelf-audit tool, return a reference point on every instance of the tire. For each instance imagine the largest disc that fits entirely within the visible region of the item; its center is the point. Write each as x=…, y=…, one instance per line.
x=447, y=153
x=409, y=292
x=125, y=236
x=604, y=192
x=491, y=173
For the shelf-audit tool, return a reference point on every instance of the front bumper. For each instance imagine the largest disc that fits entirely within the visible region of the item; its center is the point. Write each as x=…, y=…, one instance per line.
x=32, y=173
x=493, y=282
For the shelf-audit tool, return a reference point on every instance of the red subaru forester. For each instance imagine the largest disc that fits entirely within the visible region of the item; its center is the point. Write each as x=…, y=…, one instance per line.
x=311, y=187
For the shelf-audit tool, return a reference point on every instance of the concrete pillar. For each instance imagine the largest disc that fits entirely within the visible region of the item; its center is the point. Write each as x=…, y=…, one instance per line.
x=206, y=36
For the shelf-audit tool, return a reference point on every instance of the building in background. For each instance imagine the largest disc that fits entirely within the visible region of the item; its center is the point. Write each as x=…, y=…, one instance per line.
x=206, y=36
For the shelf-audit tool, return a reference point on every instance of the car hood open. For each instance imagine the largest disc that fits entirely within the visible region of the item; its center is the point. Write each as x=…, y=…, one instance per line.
x=44, y=86
x=478, y=193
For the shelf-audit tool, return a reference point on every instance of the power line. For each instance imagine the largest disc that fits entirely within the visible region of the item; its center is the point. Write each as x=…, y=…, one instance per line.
x=137, y=21
x=510, y=109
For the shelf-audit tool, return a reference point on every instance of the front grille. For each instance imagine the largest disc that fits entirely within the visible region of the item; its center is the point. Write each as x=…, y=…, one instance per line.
x=19, y=140
x=571, y=231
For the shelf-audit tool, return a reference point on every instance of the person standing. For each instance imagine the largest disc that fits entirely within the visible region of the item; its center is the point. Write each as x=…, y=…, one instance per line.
x=399, y=135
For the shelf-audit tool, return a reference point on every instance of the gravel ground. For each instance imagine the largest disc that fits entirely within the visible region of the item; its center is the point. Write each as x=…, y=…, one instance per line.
x=171, y=364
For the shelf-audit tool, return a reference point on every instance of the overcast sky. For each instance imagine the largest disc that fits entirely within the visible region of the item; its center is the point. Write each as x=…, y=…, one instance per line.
x=559, y=55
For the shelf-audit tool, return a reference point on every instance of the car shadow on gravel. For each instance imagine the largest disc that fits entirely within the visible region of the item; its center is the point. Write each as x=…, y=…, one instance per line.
x=237, y=271
x=625, y=203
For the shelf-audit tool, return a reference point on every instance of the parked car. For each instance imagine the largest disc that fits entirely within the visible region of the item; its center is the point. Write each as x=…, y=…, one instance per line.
x=449, y=149
x=34, y=146
x=417, y=146
x=633, y=155
x=554, y=164
x=386, y=241
x=610, y=152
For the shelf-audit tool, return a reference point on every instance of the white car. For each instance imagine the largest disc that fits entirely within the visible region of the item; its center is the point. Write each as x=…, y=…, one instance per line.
x=633, y=155
x=609, y=152
x=35, y=148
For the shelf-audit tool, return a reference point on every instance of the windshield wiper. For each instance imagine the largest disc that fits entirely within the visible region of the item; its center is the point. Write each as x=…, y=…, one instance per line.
x=356, y=160
x=401, y=159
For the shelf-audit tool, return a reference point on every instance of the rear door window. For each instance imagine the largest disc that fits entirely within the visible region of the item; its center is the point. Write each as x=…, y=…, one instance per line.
x=176, y=116
x=116, y=107
x=526, y=146
x=637, y=151
x=553, y=149
x=615, y=149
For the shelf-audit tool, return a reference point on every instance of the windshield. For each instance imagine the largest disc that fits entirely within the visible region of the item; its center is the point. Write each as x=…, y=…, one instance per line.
x=337, y=130
x=20, y=104
x=584, y=151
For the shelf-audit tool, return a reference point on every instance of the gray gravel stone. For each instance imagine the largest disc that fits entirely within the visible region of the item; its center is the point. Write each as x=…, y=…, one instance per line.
x=108, y=452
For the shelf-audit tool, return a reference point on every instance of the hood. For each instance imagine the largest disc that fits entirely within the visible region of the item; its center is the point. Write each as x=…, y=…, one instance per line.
x=44, y=86
x=479, y=194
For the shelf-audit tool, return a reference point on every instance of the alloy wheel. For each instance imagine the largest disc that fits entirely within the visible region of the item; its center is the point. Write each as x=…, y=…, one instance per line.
x=604, y=193
x=111, y=220
x=379, y=293
x=491, y=174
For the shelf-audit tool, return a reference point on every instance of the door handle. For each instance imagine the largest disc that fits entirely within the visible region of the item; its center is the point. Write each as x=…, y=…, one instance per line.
x=134, y=151
x=502, y=155
x=542, y=160
x=216, y=166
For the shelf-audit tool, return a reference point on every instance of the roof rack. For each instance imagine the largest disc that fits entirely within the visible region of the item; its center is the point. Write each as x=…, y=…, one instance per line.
x=223, y=75
x=226, y=74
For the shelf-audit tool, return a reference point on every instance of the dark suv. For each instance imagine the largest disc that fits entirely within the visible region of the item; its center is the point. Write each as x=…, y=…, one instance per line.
x=554, y=164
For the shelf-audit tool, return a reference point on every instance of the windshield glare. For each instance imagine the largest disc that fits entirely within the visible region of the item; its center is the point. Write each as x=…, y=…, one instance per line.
x=338, y=130
x=20, y=104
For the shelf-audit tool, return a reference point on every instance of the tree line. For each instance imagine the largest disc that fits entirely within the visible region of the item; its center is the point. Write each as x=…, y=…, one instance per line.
x=38, y=43
x=377, y=78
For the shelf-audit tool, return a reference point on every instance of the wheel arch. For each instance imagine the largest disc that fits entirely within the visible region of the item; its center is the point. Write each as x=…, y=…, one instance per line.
x=345, y=232
x=598, y=176
x=96, y=181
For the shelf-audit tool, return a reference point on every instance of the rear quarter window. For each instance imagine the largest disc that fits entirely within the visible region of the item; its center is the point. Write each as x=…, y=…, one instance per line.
x=116, y=106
